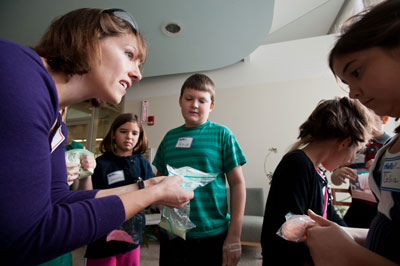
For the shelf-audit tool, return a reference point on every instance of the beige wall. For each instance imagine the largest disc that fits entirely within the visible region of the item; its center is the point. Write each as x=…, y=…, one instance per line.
x=263, y=100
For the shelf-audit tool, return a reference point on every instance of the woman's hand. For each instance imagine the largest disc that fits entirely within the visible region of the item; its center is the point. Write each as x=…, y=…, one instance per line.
x=172, y=194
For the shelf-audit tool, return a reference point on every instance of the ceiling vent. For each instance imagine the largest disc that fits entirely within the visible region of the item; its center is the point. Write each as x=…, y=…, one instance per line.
x=172, y=29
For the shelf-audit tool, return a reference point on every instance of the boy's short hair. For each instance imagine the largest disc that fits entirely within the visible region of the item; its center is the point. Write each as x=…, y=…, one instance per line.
x=199, y=82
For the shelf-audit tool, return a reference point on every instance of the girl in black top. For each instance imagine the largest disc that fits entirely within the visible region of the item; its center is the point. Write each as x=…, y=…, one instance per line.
x=330, y=137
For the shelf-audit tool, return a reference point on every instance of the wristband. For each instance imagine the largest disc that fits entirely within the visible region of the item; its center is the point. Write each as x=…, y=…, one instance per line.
x=233, y=247
x=140, y=183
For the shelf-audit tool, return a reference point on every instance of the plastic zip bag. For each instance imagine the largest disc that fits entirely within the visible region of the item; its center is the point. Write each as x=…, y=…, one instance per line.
x=176, y=221
x=74, y=156
x=294, y=229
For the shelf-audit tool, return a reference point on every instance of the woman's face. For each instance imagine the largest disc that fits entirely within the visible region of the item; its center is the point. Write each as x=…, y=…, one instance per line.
x=373, y=77
x=126, y=137
x=116, y=69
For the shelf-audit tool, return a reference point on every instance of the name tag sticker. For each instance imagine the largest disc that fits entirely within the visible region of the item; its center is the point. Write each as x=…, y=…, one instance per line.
x=391, y=174
x=184, y=143
x=115, y=177
x=58, y=138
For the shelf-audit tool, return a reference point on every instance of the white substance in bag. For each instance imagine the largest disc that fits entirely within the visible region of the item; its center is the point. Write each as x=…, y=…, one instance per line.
x=176, y=221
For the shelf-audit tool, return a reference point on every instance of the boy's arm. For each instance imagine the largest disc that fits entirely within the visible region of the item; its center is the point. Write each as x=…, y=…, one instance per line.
x=159, y=173
x=238, y=200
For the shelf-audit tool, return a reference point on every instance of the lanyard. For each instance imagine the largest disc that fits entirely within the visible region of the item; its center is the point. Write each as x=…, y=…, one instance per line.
x=321, y=174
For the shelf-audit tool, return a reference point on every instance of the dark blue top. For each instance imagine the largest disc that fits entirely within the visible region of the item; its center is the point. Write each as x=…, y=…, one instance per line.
x=115, y=171
x=40, y=218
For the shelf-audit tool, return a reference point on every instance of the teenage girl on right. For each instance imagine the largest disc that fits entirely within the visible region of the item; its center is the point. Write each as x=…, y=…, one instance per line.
x=366, y=57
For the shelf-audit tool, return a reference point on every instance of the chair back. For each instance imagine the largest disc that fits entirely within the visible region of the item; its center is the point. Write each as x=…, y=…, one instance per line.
x=255, y=202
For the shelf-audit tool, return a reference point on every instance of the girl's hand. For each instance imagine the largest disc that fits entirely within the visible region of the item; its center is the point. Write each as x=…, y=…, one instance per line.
x=72, y=172
x=172, y=194
x=88, y=161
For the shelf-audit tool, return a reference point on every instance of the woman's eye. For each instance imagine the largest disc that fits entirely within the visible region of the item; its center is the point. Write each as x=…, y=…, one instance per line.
x=129, y=54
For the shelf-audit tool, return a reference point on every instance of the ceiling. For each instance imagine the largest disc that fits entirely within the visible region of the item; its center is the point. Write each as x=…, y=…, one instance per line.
x=214, y=33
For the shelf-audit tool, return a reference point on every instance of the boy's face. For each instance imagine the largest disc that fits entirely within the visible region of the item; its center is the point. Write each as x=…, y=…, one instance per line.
x=195, y=107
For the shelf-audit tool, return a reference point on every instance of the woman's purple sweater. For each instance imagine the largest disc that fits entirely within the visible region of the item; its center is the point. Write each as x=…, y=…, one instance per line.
x=40, y=218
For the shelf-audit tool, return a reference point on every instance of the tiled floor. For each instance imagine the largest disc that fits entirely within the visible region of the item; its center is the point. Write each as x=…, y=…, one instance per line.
x=251, y=256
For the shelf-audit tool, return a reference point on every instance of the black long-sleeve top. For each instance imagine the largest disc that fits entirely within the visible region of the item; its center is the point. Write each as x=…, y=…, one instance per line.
x=296, y=187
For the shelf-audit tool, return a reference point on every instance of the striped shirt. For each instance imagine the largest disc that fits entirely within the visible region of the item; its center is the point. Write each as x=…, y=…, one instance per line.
x=211, y=148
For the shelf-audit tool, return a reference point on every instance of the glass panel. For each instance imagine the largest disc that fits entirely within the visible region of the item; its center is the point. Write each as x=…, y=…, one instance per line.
x=89, y=125
x=104, y=118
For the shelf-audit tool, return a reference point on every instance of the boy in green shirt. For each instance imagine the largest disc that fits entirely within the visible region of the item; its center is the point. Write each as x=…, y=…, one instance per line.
x=211, y=148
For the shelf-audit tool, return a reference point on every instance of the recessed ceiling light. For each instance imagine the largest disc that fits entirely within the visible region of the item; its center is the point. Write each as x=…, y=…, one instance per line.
x=172, y=29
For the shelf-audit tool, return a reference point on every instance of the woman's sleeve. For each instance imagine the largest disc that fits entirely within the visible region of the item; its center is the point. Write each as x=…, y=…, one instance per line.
x=36, y=221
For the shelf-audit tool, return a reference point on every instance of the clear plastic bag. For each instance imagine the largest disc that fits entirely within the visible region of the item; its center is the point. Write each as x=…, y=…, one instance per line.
x=294, y=229
x=74, y=156
x=176, y=221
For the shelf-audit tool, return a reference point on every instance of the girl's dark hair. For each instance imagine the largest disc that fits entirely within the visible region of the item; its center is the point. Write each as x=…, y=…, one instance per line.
x=199, y=82
x=108, y=143
x=378, y=26
x=71, y=42
x=338, y=118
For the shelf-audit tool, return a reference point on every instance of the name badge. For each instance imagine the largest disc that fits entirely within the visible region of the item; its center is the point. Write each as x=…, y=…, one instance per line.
x=391, y=174
x=115, y=177
x=184, y=143
x=58, y=138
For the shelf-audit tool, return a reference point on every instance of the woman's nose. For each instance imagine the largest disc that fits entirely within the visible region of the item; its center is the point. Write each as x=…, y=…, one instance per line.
x=135, y=72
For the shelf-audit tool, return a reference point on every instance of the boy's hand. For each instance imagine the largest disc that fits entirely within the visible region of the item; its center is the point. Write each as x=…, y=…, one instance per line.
x=231, y=253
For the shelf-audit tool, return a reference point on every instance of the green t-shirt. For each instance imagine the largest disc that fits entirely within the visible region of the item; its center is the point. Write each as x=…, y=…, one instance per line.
x=210, y=148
